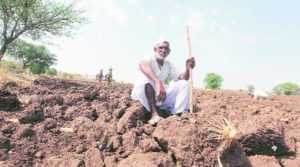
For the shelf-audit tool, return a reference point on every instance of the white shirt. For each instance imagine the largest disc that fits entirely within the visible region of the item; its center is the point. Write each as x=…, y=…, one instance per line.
x=167, y=70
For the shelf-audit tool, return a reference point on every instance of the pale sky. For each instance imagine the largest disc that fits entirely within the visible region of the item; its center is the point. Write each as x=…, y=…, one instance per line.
x=246, y=41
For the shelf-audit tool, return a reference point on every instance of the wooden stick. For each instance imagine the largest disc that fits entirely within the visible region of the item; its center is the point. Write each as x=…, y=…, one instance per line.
x=190, y=70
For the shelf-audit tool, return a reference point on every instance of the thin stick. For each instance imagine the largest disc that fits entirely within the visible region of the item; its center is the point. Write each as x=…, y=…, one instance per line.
x=190, y=70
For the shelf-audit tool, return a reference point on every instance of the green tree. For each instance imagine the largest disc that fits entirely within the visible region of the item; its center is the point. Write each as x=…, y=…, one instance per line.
x=250, y=88
x=35, y=57
x=35, y=19
x=51, y=71
x=213, y=81
x=286, y=88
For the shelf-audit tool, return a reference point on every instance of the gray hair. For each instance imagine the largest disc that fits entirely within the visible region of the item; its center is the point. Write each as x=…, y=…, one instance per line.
x=160, y=41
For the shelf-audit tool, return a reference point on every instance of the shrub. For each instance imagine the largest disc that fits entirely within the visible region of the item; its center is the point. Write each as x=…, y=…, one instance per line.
x=51, y=71
x=11, y=66
x=213, y=81
x=286, y=88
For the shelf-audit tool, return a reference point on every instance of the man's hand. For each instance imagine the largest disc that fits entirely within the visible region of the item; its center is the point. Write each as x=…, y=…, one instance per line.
x=190, y=63
x=161, y=92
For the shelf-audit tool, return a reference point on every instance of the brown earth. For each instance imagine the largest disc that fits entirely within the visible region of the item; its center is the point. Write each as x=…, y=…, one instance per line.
x=55, y=122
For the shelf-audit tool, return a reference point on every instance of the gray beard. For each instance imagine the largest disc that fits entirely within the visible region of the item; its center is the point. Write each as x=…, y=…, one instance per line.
x=160, y=57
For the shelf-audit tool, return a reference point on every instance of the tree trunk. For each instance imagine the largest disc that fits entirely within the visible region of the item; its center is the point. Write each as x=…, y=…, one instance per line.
x=2, y=51
x=1, y=56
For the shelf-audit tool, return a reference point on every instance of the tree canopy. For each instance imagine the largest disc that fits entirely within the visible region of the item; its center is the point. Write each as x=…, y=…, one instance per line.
x=35, y=19
x=213, y=81
x=286, y=88
x=35, y=57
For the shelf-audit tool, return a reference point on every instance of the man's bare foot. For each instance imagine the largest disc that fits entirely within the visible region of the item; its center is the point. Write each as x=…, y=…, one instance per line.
x=155, y=119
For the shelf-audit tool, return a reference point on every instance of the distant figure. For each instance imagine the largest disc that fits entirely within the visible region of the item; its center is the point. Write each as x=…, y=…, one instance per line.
x=100, y=79
x=260, y=94
x=150, y=90
x=108, y=77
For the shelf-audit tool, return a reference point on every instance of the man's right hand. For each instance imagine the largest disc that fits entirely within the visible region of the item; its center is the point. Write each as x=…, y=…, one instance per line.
x=161, y=92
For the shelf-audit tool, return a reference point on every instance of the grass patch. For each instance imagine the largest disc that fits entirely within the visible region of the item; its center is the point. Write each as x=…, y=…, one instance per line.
x=12, y=71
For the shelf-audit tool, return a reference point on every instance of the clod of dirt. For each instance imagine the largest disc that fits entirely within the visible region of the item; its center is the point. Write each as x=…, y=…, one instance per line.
x=32, y=114
x=4, y=142
x=80, y=149
x=52, y=100
x=91, y=114
x=8, y=101
x=129, y=119
x=68, y=160
x=130, y=140
x=49, y=123
x=185, y=141
x=265, y=161
x=150, y=145
x=118, y=113
x=234, y=156
x=24, y=131
x=40, y=154
x=84, y=126
x=91, y=96
x=10, y=84
x=147, y=160
x=268, y=141
x=8, y=128
x=94, y=158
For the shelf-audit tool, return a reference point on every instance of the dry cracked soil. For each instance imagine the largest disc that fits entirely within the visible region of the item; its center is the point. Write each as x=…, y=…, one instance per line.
x=56, y=123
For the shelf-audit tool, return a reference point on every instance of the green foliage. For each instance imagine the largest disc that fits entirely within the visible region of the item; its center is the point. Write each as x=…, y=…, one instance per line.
x=213, y=81
x=35, y=69
x=36, y=19
x=66, y=75
x=250, y=88
x=11, y=66
x=35, y=57
x=51, y=71
x=286, y=88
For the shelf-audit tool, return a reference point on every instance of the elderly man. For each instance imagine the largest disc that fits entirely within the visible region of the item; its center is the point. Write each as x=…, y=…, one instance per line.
x=150, y=90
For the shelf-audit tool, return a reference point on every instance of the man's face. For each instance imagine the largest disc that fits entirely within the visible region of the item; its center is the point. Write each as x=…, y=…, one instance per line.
x=162, y=50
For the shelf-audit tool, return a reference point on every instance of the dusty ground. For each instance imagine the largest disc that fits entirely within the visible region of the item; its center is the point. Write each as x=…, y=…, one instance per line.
x=54, y=122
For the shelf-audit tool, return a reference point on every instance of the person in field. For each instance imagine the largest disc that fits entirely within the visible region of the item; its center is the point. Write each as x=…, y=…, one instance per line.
x=150, y=88
x=100, y=79
x=108, y=77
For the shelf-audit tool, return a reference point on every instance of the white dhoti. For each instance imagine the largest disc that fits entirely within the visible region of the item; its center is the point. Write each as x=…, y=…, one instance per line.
x=177, y=98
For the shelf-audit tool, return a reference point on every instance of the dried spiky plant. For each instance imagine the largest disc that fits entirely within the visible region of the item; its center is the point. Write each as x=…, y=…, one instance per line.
x=224, y=131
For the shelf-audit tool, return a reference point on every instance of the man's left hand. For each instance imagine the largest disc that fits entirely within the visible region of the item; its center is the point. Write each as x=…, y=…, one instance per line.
x=190, y=63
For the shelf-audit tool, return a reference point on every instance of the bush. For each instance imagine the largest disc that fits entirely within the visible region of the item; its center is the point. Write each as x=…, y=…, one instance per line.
x=250, y=88
x=11, y=66
x=36, y=69
x=51, y=71
x=286, y=88
x=213, y=81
